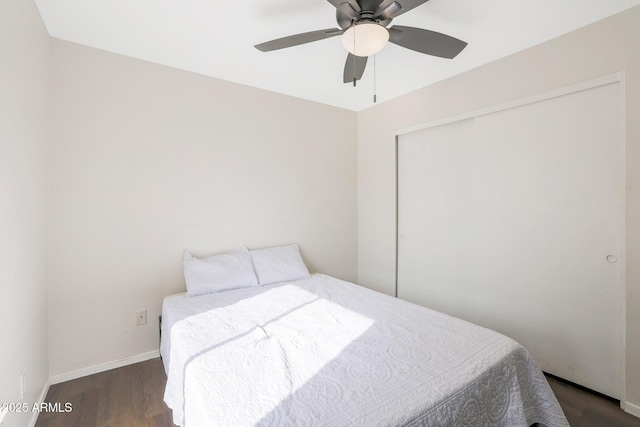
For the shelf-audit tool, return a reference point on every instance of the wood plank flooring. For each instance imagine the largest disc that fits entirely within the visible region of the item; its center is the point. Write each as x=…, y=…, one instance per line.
x=131, y=396
x=587, y=409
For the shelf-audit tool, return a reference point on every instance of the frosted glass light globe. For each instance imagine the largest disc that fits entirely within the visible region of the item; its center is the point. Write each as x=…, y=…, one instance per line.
x=370, y=38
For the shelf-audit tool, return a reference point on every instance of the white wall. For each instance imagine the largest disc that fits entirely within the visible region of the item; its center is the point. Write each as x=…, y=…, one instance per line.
x=24, y=130
x=148, y=160
x=602, y=48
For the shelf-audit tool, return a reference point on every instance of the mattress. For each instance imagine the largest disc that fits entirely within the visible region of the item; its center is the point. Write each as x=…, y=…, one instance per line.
x=322, y=351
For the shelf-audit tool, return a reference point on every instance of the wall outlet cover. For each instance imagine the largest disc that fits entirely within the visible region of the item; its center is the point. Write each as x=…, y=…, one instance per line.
x=141, y=317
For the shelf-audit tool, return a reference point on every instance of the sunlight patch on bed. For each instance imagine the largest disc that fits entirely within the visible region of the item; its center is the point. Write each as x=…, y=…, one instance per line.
x=289, y=332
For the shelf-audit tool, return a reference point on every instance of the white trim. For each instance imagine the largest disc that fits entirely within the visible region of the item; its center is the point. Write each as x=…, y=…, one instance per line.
x=3, y=413
x=632, y=409
x=56, y=379
x=589, y=84
x=623, y=250
x=43, y=396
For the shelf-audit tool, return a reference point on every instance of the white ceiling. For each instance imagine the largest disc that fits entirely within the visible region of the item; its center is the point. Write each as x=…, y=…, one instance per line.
x=216, y=38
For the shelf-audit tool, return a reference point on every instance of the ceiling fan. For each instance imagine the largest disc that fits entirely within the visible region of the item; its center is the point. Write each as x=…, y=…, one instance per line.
x=363, y=27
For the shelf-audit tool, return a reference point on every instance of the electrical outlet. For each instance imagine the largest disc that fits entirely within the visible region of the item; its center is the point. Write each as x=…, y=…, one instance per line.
x=141, y=317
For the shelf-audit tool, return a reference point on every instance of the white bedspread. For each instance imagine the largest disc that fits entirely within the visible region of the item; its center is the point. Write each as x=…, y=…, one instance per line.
x=324, y=352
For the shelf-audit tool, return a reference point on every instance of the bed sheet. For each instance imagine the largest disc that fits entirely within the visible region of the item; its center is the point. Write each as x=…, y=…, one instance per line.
x=321, y=351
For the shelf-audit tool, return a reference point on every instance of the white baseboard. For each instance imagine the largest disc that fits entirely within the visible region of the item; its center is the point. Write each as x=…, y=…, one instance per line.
x=41, y=398
x=56, y=379
x=632, y=409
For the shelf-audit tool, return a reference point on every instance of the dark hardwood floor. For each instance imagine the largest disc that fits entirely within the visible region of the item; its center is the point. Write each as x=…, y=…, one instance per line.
x=131, y=396
x=584, y=408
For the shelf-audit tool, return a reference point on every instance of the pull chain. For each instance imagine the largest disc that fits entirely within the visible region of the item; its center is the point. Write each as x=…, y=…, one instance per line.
x=374, y=78
x=354, y=58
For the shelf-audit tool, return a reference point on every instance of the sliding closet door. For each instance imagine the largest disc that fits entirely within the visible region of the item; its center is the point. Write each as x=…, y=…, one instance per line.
x=514, y=220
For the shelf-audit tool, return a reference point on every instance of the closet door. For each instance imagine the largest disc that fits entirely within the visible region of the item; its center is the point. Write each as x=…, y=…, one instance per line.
x=514, y=220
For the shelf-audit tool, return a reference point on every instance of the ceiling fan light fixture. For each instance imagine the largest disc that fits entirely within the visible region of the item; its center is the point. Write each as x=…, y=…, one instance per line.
x=365, y=39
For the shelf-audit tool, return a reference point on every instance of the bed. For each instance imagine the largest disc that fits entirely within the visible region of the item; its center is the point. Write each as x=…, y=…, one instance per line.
x=319, y=351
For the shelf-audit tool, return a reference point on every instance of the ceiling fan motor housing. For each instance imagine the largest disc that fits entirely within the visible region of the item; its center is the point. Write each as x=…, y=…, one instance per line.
x=347, y=14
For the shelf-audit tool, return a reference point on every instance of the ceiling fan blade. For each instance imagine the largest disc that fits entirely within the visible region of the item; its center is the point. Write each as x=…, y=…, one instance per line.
x=297, y=39
x=354, y=67
x=392, y=8
x=426, y=41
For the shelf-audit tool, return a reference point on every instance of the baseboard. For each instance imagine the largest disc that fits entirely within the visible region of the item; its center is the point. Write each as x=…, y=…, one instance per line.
x=632, y=409
x=41, y=398
x=56, y=379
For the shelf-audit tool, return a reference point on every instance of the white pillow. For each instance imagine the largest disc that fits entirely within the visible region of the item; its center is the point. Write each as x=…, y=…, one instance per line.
x=219, y=272
x=279, y=264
